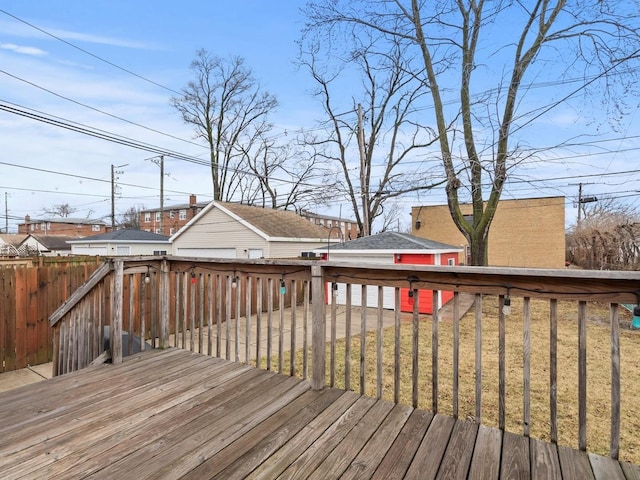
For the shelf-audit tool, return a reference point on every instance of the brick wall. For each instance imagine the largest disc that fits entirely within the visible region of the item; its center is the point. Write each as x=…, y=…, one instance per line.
x=524, y=233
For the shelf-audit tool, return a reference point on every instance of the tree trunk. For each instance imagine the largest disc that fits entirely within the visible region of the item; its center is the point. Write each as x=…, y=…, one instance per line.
x=478, y=246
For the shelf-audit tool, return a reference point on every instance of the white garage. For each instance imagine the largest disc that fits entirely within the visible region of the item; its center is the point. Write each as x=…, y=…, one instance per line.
x=127, y=242
x=390, y=248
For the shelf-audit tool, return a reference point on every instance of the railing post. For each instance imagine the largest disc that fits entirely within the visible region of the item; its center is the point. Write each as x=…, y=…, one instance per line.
x=116, y=313
x=318, y=331
x=164, y=304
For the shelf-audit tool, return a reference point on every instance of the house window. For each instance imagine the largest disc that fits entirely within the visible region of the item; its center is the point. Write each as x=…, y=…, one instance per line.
x=159, y=252
x=95, y=228
x=172, y=231
x=172, y=214
x=33, y=227
x=43, y=226
x=147, y=229
x=158, y=230
x=451, y=262
x=183, y=214
x=48, y=226
x=147, y=217
x=158, y=216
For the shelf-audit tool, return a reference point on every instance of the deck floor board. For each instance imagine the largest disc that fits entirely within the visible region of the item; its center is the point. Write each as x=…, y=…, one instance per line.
x=176, y=414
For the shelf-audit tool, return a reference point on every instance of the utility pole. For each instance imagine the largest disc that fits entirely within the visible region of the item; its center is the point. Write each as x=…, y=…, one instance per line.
x=113, y=196
x=162, y=194
x=6, y=213
x=582, y=199
x=113, y=193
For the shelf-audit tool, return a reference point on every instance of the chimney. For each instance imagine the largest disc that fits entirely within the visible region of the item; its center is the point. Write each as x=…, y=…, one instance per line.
x=192, y=200
x=27, y=219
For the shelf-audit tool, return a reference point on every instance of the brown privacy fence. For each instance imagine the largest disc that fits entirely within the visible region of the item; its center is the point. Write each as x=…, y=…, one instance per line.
x=28, y=296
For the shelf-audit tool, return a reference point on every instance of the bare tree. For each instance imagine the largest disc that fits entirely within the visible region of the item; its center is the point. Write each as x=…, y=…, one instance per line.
x=131, y=217
x=379, y=132
x=62, y=210
x=286, y=175
x=474, y=56
x=607, y=238
x=229, y=112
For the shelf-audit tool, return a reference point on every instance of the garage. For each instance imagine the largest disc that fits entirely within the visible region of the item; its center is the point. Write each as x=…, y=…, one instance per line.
x=391, y=248
x=206, y=252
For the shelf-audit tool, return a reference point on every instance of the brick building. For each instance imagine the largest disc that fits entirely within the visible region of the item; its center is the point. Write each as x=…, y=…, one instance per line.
x=62, y=226
x=171, y=218
x=342, y=228
x=524, y=233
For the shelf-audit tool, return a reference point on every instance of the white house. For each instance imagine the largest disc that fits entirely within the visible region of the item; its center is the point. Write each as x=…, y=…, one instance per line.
x=390, y=248
x=122, y=242
x=46, y=245
x=233, y=230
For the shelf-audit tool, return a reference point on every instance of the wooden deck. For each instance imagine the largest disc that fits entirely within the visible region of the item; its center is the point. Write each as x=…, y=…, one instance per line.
x=176, y=414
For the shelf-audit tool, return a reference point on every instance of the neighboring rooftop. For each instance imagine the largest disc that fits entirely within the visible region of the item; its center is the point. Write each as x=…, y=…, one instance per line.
x=276, y=223
x=14, y=239
x=72, y=220
x=395, y=241
x=126, y=235
x=53, y=242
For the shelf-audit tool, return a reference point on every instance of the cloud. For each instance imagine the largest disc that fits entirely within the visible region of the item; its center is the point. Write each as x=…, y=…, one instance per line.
x=89, y=38
x=23, y=50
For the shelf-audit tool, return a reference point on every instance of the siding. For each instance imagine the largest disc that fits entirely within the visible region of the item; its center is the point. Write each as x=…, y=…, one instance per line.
x=217, y=230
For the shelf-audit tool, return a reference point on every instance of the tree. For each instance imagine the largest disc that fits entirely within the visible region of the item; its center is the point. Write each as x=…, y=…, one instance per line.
x=131, y=217
x=608, y=237
x=63, y=210
x=474, y=56
x=229, y=112
x=380, y=131
x=285, y=176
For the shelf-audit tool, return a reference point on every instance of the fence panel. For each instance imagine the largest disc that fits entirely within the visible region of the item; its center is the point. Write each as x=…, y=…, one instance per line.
x=29, y=295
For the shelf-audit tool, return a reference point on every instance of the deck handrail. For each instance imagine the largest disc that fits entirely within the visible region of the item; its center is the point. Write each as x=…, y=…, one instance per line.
x=220, y=301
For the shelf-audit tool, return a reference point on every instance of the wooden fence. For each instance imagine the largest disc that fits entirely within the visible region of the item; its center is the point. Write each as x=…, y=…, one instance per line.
x=28, y=296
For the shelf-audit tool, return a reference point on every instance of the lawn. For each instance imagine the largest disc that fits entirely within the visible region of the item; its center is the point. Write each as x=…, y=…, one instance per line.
x=598, y=371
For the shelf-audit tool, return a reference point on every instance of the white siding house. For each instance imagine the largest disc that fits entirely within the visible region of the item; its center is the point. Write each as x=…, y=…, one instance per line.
x=122, y=243
x=231, y=230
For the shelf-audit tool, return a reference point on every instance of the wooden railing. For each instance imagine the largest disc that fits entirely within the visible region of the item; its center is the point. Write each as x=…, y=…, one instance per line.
x=285, y=316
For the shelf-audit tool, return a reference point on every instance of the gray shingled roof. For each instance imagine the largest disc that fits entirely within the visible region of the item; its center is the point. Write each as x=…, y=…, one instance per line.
x=126, y=235
x=277, y=223
x=179, y=206
x=392, y=241
x=74, y=221
x=54, y=242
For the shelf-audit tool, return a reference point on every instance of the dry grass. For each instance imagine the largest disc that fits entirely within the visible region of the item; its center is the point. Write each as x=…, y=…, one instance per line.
x=598, y=371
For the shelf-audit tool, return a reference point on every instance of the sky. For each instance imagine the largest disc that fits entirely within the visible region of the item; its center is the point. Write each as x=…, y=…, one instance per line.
x=52, y=63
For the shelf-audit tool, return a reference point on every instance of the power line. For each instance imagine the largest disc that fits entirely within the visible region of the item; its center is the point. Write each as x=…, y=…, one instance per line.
x=92, y=54
x=100, y=111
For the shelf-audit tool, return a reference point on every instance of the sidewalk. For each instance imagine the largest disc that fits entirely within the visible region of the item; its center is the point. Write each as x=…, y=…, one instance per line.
x=25, y=376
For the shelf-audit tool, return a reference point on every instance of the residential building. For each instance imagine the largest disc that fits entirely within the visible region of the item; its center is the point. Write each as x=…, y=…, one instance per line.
x=524, y=233
x=62, y=226
x=233, y=230
x=341, y=228
x=171, y=218
x=9, y=243
x=127, y=242
x=45, y=245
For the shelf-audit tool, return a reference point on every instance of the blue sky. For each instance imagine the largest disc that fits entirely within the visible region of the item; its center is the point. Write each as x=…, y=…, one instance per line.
x=158, y=40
